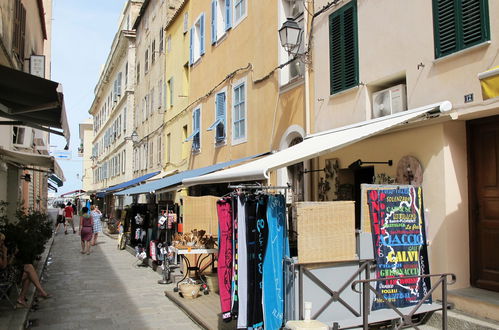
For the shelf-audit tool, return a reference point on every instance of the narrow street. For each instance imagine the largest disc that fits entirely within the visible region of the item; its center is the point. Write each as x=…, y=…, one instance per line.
x=103, y=290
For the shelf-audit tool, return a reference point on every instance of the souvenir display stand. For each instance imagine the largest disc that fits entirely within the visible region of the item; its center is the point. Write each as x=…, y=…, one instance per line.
x=200, y=255
x=336, y=261
x=196, y=246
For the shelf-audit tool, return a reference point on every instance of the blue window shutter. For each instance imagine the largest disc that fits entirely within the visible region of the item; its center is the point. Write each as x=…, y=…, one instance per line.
x=220, y=104
x=213, y=21
x=201, y=25
x=191, y=58
x=228, y=14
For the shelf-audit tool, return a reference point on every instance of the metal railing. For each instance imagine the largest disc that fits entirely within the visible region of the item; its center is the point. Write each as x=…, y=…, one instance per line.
x=405, y=319
x=335, y=296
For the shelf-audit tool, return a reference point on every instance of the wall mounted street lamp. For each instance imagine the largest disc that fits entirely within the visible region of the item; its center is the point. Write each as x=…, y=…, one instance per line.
x=358, y=164
x=134, y=137
x=290, y=34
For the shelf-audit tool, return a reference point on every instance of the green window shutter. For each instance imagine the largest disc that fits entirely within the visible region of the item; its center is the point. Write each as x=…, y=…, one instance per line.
x=343, y=49
x=475, y=23
x=459, y=24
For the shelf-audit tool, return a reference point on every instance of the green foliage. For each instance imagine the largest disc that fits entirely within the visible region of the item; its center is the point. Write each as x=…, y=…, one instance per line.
x=29, y=232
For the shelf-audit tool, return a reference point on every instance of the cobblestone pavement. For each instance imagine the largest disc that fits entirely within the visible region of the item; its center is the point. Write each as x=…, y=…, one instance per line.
x=103, y=290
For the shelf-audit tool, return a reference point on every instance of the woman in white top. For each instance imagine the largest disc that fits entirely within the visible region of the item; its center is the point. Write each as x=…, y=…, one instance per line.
x=96, y=215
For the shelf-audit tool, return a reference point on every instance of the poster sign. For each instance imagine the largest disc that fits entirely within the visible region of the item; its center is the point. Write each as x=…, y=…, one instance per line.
x=399, y=245
x=62, y=154
x=37, y=65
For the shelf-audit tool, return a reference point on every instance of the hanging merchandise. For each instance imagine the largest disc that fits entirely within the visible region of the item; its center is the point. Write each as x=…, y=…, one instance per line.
x=242, y=271
x=273, y=283
x=161, y=222
x=253, y=243
x=152, y=250
x=225, y=257
x=139, y=220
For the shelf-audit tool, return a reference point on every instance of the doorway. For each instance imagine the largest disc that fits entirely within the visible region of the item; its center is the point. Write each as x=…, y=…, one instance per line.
x=483, y=167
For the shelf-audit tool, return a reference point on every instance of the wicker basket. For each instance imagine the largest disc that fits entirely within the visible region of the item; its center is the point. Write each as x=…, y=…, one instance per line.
x=189, y=290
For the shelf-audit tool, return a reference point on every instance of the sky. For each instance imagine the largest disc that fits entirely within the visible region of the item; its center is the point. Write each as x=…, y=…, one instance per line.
x=82, y=33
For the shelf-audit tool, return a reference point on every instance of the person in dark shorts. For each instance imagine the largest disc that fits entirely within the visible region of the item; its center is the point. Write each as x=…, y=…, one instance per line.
x=60, y=218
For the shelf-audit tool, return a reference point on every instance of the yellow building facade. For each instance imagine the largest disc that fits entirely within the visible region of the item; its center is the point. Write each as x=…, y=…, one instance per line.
x=176, y=119
x=240, y=102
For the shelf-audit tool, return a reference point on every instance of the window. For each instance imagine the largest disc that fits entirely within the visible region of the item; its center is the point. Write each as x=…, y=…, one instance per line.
x=239, y=113
x=197, y=40
x=219, y=124
x=185, y=81
x=161, y=39
x=153, y=52
x=164, y=93
x=151, y=154
x=19, y=33
x=160, y=150
x=186, y=22
x=459, y=25
x=160, y=95
x=221, y=18
x=195, y=137
x=343, y=52
x=146, y=61
x=169, y=43
x=126, y=75
x=168, y=148
x=123, y=161
x=138, y=73
x=296, y=69
x=185, y=150
x=151, y=98
x=240, y=8
x=124, y=120
x=144, y=108
x=171, y=91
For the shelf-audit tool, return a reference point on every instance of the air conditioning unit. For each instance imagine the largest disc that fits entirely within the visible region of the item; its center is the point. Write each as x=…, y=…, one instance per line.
x=22, y=137
x=389, y=101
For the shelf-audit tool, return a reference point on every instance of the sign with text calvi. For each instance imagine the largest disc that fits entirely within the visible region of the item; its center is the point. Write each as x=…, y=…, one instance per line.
x=399, y=245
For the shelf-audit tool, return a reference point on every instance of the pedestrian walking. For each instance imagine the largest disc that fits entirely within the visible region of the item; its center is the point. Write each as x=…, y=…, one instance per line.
x=68, y=215
x=60, y=218
x=96, y=217
x=86, y=230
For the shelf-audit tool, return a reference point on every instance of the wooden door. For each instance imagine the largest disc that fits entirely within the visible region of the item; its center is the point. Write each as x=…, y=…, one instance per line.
x=483, y=149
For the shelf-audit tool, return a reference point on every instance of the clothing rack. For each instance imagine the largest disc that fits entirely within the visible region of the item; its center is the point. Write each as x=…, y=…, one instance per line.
x=256, y=186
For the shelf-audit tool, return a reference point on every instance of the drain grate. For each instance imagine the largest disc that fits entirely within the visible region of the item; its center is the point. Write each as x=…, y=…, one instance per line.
x=31, y=323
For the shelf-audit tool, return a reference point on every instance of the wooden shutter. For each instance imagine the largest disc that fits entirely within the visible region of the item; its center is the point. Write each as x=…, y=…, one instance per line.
x=191, y=49
x=221, y=109
x=459, y=24
x=213, y=21
x=228, y=14
x=19, y=33
x=343, y=49
x=201, y=32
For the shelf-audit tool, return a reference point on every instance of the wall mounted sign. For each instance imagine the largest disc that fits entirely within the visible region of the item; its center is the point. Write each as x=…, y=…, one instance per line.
x=409, y=171
x=399, y=241
x=37, y=65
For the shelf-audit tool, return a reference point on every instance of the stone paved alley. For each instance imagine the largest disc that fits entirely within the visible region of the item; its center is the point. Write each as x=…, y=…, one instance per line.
x=103, y=290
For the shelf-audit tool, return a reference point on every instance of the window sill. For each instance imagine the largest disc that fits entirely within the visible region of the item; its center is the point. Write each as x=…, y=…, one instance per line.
x=221, y=143
x=196, y=61
x=462, y=52
x=294, y=82
x=346, y=91
x=220, y=39
x=240, y=141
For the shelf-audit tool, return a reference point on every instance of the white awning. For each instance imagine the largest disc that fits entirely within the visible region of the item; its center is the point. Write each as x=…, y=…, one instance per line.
x=314, y=146
x=24, y=159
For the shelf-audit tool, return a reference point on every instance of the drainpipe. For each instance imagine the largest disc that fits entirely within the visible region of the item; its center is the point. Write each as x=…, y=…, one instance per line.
x=313, y=177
